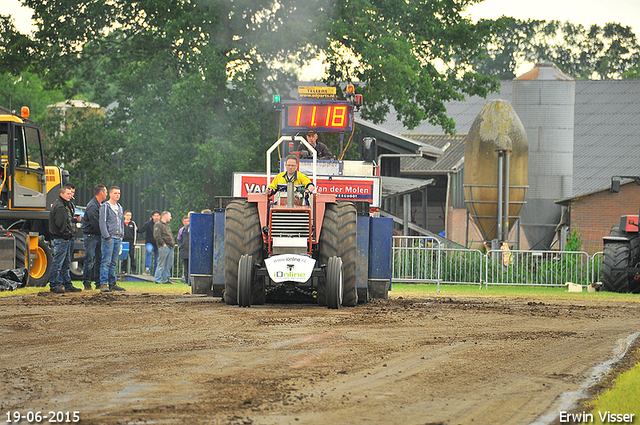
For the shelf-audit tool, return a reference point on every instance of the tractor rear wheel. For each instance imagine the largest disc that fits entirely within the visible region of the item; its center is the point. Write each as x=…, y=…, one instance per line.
x=242, y=236
x=334, y=283
x=338, y=238
x=616, y=256
x=245, y=280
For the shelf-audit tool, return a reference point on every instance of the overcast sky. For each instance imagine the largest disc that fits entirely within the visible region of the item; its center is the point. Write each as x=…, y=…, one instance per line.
x=585, y=12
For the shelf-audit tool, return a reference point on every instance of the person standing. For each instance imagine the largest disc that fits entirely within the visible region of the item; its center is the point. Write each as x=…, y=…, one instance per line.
x=130, y=236
x=183, y=246
x=150, y=246
x=66, y=278
x=60, y=228
x=91, y=231
x=164, y=240
x=112, y=230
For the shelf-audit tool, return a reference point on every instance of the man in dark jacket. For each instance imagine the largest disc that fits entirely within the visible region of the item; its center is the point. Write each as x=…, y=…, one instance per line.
x=92, y=237
x=60, y=228
x=321, y=148
x=164, y=240
x=183, y=246
x=150, y=244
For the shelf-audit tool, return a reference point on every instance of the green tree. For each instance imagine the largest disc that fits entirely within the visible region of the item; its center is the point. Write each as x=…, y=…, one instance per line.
x=596, y=52
x=187, y=83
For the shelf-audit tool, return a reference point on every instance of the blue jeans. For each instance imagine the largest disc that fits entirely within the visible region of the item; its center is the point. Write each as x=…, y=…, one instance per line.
x=110, y=254
x=165, y=259
x=147, y=260
x=92, y=259
x=60, y=263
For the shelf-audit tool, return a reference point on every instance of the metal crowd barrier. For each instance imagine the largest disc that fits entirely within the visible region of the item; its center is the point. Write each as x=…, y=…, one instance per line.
x=419, y=259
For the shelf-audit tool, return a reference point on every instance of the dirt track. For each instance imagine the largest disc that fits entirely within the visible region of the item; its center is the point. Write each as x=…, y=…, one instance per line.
x=165, y=359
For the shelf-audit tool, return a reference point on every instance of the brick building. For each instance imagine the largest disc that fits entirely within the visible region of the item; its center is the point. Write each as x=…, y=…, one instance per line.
x=593, y=214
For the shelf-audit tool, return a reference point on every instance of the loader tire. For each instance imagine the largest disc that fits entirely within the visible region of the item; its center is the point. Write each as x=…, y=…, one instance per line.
x=22, y=252
x=338, y=238
x=243, y=236
x=616, y=255
x=40, y=265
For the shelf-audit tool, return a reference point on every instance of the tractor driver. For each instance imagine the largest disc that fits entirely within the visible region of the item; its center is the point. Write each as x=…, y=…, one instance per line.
x=291, y=175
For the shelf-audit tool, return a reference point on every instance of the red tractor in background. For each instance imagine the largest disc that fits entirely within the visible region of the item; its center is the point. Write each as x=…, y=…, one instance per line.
x=621, y=254
x=293, y=248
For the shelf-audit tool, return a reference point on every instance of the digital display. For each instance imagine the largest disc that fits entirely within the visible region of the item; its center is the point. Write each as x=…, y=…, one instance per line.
x=321, y=116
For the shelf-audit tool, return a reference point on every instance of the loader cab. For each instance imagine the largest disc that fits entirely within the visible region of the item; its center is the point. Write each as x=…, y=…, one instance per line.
x=22, y=176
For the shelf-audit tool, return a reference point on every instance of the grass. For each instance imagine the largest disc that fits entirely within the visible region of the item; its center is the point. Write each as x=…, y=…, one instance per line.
x=512, y=291
x=623, y=397
x=144, y=287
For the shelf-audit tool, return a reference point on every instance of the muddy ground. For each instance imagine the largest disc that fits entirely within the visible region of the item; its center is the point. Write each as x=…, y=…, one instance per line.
x=132, y=358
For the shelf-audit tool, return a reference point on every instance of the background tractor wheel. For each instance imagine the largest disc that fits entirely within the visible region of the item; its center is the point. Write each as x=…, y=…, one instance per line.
x=245, y=280
x=616, y=255
x=334, y=283
x=40, y=266
x=338, y=238
x=242, y=236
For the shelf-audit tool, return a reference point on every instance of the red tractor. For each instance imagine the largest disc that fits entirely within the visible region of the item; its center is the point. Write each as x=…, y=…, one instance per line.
x=621, y=256
x=291, y=247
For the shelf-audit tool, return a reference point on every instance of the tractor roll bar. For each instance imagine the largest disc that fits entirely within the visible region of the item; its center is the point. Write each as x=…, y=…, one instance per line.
x=292, y=138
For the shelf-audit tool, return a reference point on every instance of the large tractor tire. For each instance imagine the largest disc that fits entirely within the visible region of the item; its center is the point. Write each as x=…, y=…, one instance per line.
x=243, y=236
x=634, y=255
x=22, y=252
x=334, y=283
x=338, y=238
x=40, y=265
x=616, y=256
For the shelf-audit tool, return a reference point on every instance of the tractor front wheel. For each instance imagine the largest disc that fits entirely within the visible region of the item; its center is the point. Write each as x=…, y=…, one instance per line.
x=245, y=280
x=334, y=283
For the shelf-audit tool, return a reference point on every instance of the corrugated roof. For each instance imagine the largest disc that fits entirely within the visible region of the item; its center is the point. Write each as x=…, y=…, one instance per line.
x=453, y=147
x=606, y=130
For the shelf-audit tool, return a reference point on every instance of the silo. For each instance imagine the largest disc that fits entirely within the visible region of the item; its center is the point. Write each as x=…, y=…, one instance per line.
x=495, y=169
x=544, y=99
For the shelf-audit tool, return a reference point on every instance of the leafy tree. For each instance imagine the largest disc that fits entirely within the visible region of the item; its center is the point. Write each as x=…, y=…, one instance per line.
x=187, y=83
x=594, y=52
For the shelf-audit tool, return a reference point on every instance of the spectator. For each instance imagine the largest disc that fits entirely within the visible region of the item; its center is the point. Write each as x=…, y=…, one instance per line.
x=60, y=228
x=183, y=246
x=164, y=240
x=130, y=236
x=66, y=278
x=150, y=244
x=112, y=229
x=92, y=238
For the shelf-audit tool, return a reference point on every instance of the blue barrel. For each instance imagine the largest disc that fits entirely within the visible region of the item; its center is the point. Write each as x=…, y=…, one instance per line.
x=362, y=261
x=218, y=252
x=201, y=253
x=380, y=252
x=124, y=251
